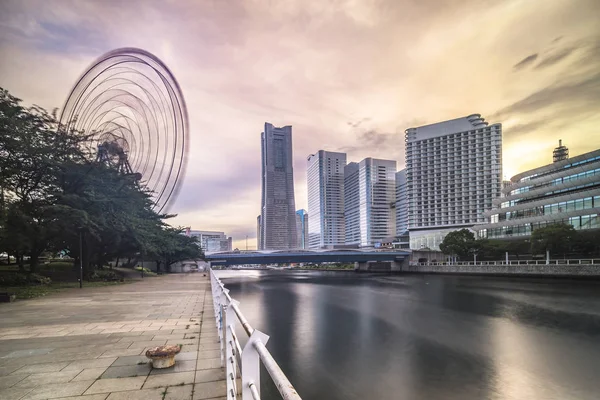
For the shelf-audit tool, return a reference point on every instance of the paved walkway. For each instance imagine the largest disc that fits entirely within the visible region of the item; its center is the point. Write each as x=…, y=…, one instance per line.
x=90, y=343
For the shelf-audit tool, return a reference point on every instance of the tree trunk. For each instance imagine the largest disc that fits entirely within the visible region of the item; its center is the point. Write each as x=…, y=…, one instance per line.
x=19, y=261
x=116, y=263
x=33, y=261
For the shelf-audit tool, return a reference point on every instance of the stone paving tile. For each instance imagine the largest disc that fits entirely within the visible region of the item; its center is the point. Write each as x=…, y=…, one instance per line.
x=144, y=394
x=126, y=371
x=209, y=390
x=211, y=346
x=180, y=366
x=14, y=393
x=209, y=354
x=173, y=379
x=210, y=375
x=116, y=385
x=167, y=337
x=123, y=352
x=11, y=380
x=93, y=363
x=208, y=363
x=147, y=343
x=39, y=368
x=57, y=390
x=9, y=369
x=47, y=378
x=89, y=374
x=183, y=342
x=130, y=360
x=179, y=392
x=186, y=355
x=101, y=396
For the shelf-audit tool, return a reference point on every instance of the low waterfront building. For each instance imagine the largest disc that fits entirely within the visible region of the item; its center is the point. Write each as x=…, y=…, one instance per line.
x=566, y=191
x=212, y=240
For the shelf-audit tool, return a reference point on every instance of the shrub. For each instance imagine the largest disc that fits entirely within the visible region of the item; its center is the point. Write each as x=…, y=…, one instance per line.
x=104, y=275
x=23, y=280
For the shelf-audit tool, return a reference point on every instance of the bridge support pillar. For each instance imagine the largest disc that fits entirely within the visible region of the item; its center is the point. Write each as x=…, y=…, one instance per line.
x=400, y=266
x=361, y=266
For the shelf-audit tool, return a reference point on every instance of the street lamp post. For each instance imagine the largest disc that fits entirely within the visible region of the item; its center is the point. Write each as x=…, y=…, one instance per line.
x=80, y=259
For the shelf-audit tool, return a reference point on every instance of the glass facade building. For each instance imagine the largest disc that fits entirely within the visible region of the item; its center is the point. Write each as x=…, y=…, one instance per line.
x=453, y=172
x=278, y=209
x=325, y=186
x=369, y=202
x=566, y=191
x=302, y=229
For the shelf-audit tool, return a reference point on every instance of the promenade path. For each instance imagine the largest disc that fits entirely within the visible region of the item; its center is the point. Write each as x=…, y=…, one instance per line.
x=90, y=343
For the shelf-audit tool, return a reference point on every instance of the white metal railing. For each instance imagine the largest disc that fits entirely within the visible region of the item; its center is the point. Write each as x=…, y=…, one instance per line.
x=595, y=261
x=247, y=360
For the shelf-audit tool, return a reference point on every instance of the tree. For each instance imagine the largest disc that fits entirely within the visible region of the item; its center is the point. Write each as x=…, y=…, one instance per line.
x=556, y=238
x=460, y=243
x=171, y=246
x=54, y=194
x=33, y=150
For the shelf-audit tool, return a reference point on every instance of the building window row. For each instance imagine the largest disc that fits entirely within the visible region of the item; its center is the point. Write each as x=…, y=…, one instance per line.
x=548, y=209
x=591, y=221
x=556, y=181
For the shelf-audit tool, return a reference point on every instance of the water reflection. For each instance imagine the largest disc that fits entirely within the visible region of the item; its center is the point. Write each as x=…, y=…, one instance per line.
x=343, y=336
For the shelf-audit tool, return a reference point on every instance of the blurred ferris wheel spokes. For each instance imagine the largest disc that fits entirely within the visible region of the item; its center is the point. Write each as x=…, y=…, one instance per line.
x=132, y=105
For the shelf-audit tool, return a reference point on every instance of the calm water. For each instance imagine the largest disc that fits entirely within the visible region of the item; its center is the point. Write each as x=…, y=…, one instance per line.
x=348, y=336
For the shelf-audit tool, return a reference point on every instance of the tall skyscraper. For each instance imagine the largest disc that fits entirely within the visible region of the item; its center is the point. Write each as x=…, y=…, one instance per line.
x=278, y=206
x=401, y=203
x=325, y=181
x=453, y=172
x=369, y=200
x=302, y=229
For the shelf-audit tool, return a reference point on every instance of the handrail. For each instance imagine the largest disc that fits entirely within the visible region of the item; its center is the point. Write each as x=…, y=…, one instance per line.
x=583, y=261
x=246, y=360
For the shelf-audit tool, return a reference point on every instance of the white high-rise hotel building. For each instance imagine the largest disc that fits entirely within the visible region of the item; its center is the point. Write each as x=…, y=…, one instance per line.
x=325, y=181
x=453, y=172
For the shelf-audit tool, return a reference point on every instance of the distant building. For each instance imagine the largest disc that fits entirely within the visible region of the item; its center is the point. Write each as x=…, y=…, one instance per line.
x=566, y=191
x=453, y=172
x=369, y=202
x=258, y=233
x=302, y=229
x=325, y=185
x=401, y=203
x=278, y=210
x=211, y=241
x=401, y=208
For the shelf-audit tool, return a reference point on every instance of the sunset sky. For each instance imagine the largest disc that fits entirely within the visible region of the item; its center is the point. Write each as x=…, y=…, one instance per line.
x=348, y=75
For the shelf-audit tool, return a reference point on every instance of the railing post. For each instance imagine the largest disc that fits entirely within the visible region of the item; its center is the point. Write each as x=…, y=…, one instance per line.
x=224, y=303
x=251, y=365
x=230, y=350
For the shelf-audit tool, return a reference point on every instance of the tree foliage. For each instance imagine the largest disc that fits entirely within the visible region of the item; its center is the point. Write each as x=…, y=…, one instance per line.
x=459, y=243
x=556, y=238
x=54, y=195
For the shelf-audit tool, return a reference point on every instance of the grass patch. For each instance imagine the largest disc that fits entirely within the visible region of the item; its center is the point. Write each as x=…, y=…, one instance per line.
x=147, y=272
x=30, y=292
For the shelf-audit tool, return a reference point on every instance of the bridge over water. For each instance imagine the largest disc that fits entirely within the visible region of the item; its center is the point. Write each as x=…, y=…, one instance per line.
x=367, y=260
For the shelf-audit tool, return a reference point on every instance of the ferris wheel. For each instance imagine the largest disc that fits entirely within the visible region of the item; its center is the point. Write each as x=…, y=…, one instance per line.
x=133, y=107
